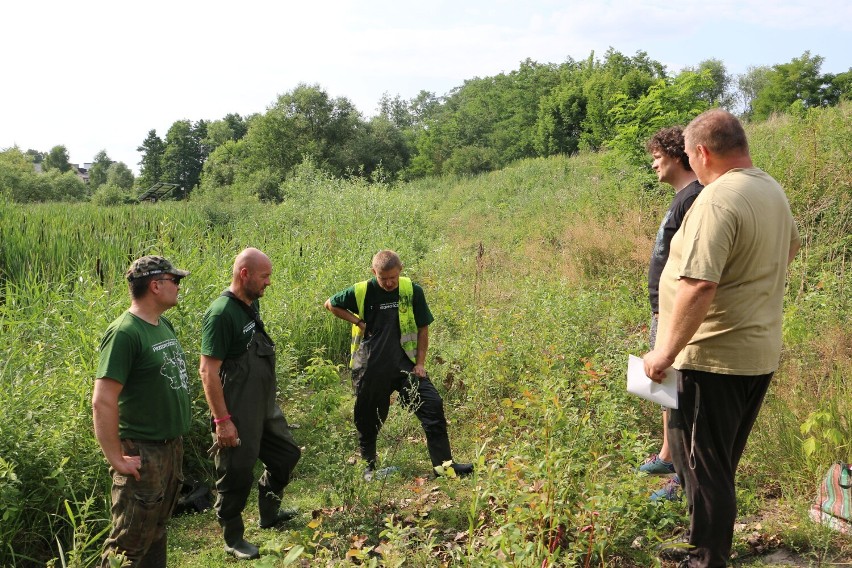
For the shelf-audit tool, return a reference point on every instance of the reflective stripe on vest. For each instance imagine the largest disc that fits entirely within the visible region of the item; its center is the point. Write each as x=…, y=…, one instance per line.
x=407, y=324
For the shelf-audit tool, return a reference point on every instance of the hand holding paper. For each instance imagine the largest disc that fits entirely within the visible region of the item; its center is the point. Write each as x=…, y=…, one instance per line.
x=638, y=383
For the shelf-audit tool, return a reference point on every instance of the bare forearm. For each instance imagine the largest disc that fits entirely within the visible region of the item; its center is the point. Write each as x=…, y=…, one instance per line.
x=794, y=250
x=209, y=372
x=422, y=345
x=105, y=418
x=341, y=313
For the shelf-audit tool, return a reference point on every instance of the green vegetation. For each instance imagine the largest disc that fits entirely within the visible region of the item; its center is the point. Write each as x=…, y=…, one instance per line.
x=536, y=276
x=485, y=124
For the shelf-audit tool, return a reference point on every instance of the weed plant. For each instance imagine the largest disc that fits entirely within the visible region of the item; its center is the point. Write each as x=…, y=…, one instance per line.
x=536, y=276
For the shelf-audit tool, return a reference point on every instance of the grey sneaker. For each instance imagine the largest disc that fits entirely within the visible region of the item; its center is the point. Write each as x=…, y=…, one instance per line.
x=654, y=465
x=668, y=492
x=370, y=474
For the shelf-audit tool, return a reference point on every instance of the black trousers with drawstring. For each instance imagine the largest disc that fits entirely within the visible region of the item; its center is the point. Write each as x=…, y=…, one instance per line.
x=707, y=435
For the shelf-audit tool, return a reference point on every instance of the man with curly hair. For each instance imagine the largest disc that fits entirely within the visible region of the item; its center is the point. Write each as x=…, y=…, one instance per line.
x=721, y=310
x=671, y=164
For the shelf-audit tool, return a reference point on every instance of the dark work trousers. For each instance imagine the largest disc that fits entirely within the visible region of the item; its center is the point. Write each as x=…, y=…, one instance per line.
x=707, y=435
x=417, y=395
x=250, y=387
x=141, y=508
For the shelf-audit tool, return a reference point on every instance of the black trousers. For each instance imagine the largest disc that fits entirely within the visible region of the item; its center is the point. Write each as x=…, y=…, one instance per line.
x=417, y=395
x=707, y=435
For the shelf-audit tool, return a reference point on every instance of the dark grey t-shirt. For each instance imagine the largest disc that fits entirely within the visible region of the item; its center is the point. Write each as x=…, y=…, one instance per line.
x=380, y=350
x=681, y=203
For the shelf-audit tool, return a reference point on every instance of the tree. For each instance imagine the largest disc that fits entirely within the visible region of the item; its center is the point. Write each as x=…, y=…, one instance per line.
x=109, y=194
x=424, y=107
x=560, y=117
x=798, y=80
x=218, y=132
x=304, y=122
x=184, y=155
x=66, y=186
x=617, y=78
x=16, y=174
x=839, y=87
x=34, y=155
x=57, y=159
x=98, y=171
x=237, y=124
x=19, y=181
x=750, y=84
x=720, y=91
x=151, y=165
x=120, y=175
x=396, y=110
x=667, y=103
x=378, y=147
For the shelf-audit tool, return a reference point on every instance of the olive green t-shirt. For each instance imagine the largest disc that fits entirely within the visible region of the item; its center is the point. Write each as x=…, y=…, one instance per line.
x=226, y=329
x=738, y=234
x=149, y=362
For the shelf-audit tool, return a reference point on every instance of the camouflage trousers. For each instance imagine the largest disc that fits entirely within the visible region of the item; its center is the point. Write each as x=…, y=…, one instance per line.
x=141, y=508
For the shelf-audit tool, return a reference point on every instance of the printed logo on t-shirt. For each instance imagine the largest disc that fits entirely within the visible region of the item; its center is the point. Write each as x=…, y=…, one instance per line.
x=659, y=244
x=389, y=306
x=249, y=327
x=174, y=364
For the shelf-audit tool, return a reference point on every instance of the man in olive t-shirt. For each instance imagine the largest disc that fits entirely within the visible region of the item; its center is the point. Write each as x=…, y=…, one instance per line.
x=721, y=305
x=140, y=409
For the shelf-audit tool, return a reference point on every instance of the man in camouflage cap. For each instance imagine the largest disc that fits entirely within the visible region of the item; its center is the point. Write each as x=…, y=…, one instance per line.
x=140, y=409
x=152, y=265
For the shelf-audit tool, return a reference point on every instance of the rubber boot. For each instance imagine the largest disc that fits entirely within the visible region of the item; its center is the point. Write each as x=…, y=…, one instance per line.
x=268, y=504
x=156, y=555
x=235, y=544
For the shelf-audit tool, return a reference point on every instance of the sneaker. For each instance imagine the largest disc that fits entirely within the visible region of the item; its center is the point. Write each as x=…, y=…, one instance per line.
x=370, y=473
x=462, y=469
x=669, y=492
x=458, y=469
x=676, y=549
x=655, y=465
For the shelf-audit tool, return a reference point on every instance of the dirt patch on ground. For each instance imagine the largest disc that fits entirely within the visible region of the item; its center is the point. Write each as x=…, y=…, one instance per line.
x=784, y=558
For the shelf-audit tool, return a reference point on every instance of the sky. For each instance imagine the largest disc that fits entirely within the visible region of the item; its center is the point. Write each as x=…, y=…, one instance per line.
x=99, y=75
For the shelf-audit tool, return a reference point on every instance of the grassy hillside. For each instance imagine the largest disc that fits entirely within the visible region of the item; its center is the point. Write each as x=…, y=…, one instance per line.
x=536, y=277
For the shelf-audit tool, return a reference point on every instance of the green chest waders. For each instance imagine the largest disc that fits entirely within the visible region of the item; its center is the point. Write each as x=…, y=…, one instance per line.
x=250, y=388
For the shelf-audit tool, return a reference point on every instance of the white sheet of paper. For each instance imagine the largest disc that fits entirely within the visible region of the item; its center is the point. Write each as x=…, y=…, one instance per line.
x=638, y=383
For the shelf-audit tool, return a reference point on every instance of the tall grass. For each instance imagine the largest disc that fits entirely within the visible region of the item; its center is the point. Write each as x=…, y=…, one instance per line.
x=536, y=276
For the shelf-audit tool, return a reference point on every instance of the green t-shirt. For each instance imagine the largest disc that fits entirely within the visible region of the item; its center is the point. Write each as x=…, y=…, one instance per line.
x=149, y=362
x=226, y=329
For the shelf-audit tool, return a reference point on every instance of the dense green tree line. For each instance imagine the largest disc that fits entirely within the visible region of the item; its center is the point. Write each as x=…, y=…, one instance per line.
x=613, y=102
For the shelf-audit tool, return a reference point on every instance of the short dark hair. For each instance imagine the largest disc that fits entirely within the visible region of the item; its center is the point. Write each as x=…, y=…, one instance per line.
x=669, y=141
x=719, y=131
x=139, y=286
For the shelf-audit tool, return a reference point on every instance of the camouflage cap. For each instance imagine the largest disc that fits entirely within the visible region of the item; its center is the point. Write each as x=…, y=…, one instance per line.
x=150, y=265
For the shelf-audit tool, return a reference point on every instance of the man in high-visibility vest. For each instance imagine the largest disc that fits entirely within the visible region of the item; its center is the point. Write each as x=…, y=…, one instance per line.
x=390, y=337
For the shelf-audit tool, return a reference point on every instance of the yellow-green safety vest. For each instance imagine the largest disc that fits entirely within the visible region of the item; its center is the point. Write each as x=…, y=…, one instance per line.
x=407, y=325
